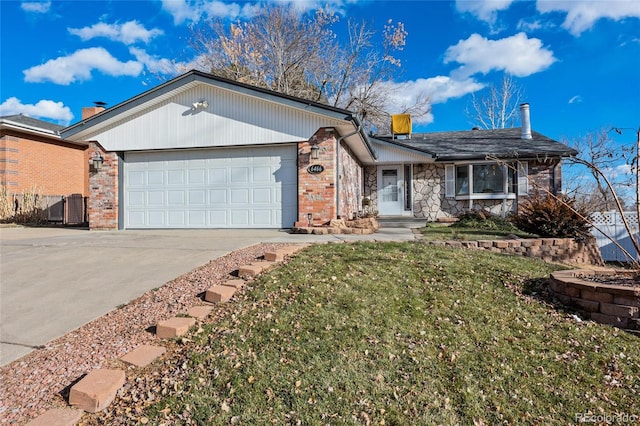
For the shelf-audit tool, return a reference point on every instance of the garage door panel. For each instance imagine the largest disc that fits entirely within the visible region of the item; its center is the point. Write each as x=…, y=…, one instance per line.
x=197, y=197
x=175, y=177
x=239, y=196
x=197, y=218
x=239, y=175
x=240, y=218
x=155, y=198
x=262, y=217
x=176, y=198
x=136, y=178
x=218, y=218
x=137, y=198
x=263, y=196
x=136, y=218
x=197, y=176
x=262, y=175
x=218, y=196
x=217, y=175
x=156, y=219
x=219, y=188
x=177, y=218
x=155, y=177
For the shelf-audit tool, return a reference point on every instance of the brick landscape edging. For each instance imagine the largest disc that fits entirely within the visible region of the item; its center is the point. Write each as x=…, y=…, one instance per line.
x=614, y=305
x=92, y=394
x=562, y=250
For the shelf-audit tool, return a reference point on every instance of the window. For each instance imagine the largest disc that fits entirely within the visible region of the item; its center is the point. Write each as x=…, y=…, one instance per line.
x=487, y=180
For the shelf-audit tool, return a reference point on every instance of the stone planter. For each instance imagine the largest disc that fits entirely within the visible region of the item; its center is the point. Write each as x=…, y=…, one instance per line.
x=340, y=226
x=611, y=304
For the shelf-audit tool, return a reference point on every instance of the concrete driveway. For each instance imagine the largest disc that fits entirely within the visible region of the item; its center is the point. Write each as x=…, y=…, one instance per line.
x=54, y=280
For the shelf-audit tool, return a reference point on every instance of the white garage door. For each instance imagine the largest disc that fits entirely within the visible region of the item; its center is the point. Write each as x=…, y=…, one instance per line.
x=214, y=188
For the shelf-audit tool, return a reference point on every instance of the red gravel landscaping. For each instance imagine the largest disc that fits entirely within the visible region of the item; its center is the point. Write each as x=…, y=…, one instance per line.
x=37, y=382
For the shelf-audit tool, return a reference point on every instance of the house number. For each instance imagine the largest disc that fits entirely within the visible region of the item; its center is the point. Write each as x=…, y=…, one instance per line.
x=315, y=169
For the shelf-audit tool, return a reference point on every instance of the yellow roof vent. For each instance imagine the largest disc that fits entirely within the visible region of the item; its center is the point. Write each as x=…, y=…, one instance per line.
x=401, y=124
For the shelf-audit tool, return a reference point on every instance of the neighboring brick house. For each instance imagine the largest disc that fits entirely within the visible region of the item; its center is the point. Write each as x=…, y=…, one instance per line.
x=201, y=151
x=33, y=156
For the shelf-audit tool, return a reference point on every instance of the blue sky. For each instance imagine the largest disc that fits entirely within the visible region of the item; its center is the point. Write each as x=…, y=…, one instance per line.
x=578, y=61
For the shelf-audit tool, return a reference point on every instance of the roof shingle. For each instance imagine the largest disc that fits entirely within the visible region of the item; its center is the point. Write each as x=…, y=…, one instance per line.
x=480, y=144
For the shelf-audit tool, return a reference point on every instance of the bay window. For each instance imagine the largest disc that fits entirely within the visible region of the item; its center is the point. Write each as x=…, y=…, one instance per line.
x=486, y=180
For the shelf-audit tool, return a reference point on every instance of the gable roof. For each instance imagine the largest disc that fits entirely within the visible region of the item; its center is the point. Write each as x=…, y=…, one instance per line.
x=31, y=125
x=480, y=144
x=345, y=121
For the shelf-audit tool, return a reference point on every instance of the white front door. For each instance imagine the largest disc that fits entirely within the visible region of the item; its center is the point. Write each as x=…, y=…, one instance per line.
x=390, y=190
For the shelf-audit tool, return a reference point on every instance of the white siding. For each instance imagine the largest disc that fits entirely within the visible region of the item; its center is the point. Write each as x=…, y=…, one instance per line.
x=231, y=119
x=388, y=153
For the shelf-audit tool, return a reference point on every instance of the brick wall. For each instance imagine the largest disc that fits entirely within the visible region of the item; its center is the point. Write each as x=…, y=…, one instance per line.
x=614, y=305
x=545, y=175
x=103, y=185
x=561, y=250
x=52, y=166
x=317, y=192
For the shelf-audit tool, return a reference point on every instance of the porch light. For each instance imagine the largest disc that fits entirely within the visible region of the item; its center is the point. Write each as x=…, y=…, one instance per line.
x=309, y=218
x=315, y=149
x=97, y=161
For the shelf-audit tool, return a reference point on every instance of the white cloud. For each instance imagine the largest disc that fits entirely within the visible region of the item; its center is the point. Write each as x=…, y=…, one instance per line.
x=440, y=89
x=517, y=55
x=128, y=33
x=575, y=99
x=485, y=10
x=620, y=171
x=79, y=65
x=190, y=10
x=583, y=14
x=42, y=109
x=36, y=7
x=194, y=10
x=156, y=65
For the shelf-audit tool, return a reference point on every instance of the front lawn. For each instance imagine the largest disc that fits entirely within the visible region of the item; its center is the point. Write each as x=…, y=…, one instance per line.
x=401, y=333
x=439, y=232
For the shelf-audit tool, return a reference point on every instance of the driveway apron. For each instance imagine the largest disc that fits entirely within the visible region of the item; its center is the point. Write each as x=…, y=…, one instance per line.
x=54, y=280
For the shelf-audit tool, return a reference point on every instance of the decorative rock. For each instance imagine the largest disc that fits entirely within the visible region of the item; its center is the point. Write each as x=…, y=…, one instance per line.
x=199, y=312
x=219, y=293
x=174, y=327
x=96, y=390
x=143, y=355
x=57, y=417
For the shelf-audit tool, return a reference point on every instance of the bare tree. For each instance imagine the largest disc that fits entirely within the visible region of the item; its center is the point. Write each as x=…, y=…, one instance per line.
x=499, y=108
x=587, y=183
x=300, y=55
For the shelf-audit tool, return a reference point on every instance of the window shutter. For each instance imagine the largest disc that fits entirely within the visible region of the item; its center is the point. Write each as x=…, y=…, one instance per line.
x=450, y=181
x=523, y=178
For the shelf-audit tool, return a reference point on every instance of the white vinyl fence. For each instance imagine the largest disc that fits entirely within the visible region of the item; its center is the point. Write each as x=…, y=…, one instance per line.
x=610, y=223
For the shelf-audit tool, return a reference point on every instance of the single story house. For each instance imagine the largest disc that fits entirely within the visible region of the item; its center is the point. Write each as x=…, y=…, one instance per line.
x=33, y=156
x=201, y=151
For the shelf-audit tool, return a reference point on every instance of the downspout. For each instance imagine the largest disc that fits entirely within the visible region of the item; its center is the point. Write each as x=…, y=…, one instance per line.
x=358, y=129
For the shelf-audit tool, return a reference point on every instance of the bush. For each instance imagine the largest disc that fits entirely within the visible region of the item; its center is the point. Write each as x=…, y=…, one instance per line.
x=28, y=209
x=548, y=216
x=482, y=219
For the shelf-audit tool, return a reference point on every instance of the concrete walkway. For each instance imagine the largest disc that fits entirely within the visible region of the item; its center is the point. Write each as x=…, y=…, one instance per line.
x=54, y=280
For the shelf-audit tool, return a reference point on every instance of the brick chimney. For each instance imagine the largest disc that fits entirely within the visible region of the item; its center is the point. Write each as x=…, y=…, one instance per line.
x=93, y=110
x=525, y=121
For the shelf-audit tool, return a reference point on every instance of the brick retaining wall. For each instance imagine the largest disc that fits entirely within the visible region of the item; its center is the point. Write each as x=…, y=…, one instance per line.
x=562, y=250
x=614, y=305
